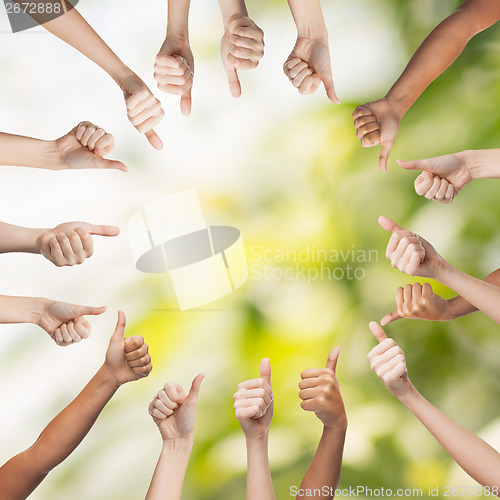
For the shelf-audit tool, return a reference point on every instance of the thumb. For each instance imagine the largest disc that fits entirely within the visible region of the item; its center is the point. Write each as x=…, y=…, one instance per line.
x=154, y=139
x=110, y=164
x=389, y=318
x=377, y=331
x=186, y=103
x=90, y=311
x=333, y=357
x=265, y=370
x=389, y=225
x=234, y=82
x=385, y=149
x=327, y=79
x=417, y=164
x=120, y=327
x=194, y=392
x=100, y=230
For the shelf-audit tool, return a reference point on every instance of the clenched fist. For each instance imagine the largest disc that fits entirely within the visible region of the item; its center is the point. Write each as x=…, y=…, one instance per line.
x=71, y=243
x=85, y=147
x=419, y=302
x=127, y=359
x=377, y=122
x=174, y=70
x=143, y=109
x=387, y=360
x=65, y=323
x=174, y=412
x=242, y=47
x=254, y=403
x=409, y=252
x=309, y=65
x=320, y=393
x=442, y=178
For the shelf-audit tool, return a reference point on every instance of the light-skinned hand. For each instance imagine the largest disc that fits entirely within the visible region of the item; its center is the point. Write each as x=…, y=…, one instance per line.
x=242, y=47
x=65, y=323
x=308, y=65
x=254, y=403
x=419, y=302
x=174, y=70
x=320, y=392
x=127, y=359
x=409, y=252
x=387, y=360
x=85, y=147
x=143, y=109
x=442, y=178
x=175, y=413
x=71, y=243
x=377, y=123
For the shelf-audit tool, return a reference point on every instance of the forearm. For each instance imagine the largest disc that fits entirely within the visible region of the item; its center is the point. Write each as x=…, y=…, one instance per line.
x=324, y=471
x=178, y=19
x=259, y=481
x=21, y=309
x=169, y=474
x=308, y=17
x=438, y=51
x=479, y=294
x=472, y=454
x=73, y=29
x=231, y=9
x=482, y=163
x=23, y=473
x=19, y=239
x=19, y=151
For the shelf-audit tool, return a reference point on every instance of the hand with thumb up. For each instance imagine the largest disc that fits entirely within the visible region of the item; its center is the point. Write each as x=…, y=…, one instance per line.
x=127, y=359
x=174, y=412
x=254, y=403
x=320, y=392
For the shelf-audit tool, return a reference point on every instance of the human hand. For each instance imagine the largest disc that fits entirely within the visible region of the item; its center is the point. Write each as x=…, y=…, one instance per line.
x=143, y=109
x=309, y=64
x=442, y=178
x=174, y=70
x=85, y=147
x=254, y=403
x=242, y=47
x=65, y=323
x=410, y=253
x=419, y=302
x=175, y=413
x=127, y=359
x=377, y=122
x=387, y=360
x=320, y=393
x=71, y=243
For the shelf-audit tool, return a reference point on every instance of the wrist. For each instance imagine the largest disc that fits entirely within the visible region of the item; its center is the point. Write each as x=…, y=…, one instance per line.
x=178, y=444
x=121, y=77
x=398, y=104
x=338, y=427
x=232, y=10
x=36, y=307
x=106, y=374
x=480, y=164
x=260, y=438
x=409, y=396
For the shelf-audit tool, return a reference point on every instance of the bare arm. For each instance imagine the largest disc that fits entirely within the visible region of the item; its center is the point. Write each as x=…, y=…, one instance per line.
x=174, y=413
x=320, y=393
x=475, y=456
x=23, y=473
x=440, y=49
x=19, y=239
x=254, y=407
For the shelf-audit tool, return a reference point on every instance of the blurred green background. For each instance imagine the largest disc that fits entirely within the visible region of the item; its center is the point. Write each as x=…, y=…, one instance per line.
x=288, y=171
